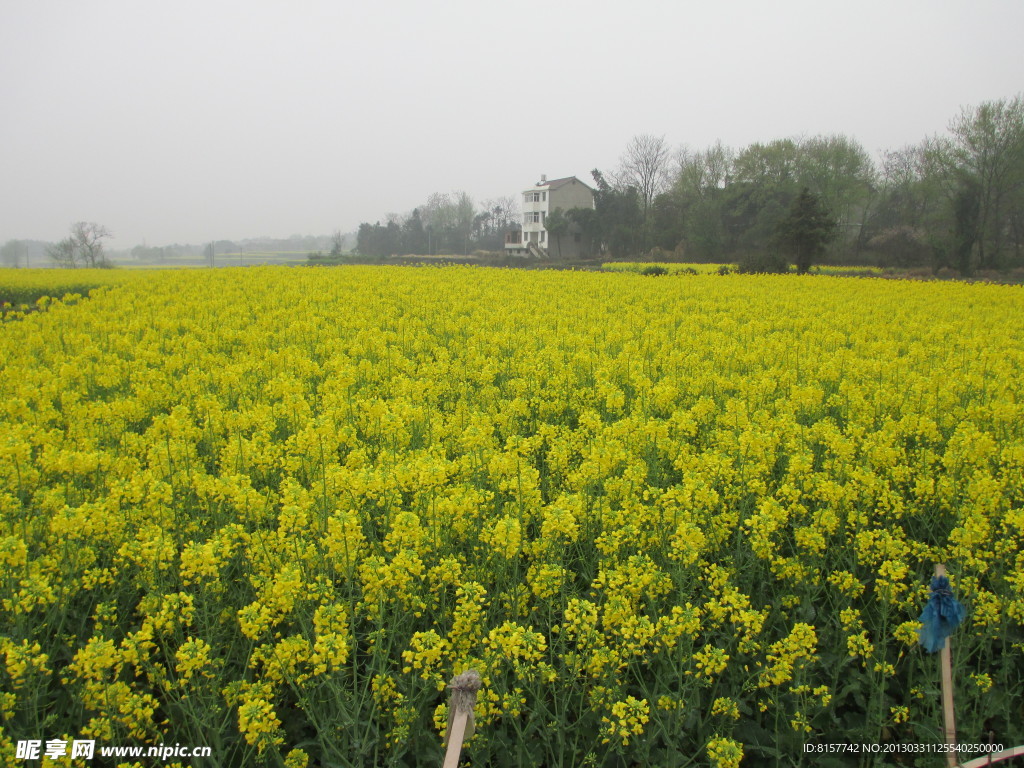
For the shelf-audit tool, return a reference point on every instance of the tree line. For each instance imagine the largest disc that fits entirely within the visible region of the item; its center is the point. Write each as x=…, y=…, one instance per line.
x=953, y=200
x=447, y=223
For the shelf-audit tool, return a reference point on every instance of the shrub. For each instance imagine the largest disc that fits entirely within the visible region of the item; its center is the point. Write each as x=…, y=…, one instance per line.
x=765, y=262
x=901, y=247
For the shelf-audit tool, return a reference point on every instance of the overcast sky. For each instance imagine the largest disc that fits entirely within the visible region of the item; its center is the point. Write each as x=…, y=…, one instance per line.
x=194, y=121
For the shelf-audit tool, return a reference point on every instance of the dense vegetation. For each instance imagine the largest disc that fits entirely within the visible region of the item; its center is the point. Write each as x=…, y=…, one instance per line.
x=273, y=511
x=953, y=201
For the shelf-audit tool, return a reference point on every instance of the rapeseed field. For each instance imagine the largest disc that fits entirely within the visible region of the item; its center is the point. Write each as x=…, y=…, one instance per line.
x=671, y=522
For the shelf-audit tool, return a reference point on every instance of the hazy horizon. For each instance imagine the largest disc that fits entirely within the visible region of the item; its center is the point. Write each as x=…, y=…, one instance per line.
x=205, y=121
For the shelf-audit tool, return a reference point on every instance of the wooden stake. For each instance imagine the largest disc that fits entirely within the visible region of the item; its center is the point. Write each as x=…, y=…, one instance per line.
x=460, y=714
x=995, y=757
x=948, y=717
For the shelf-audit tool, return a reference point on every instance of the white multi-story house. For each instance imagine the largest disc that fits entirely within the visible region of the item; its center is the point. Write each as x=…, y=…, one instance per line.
x=538, y=202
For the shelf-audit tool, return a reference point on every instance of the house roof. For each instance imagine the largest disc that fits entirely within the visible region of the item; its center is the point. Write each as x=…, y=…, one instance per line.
x=556, y=183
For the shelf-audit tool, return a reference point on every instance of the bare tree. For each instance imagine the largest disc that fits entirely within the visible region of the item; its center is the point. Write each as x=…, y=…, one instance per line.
x=503, y=212
x=645, y=166
x=89, y=238
x=63, y=254
x=84, y=248
x=337, y=244
x=704, y=170
x=12, y=253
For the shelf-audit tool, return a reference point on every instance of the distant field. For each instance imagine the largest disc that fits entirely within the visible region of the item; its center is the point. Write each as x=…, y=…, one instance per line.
x=166, y=265
x=707, y=269
x=227, y=259
x=850, y=270
x=260, y=257
x=673, y=268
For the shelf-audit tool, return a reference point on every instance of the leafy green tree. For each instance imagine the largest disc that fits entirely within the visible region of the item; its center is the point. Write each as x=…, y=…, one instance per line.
x=589, y=226
x=772, y=166
x=840, y=171
x=619, y=216
x=557, y=226
x=379, y=239
x=910, y=221
x=691, y=215
x=987, y=144
x=967, y=207
x=765, y=180
x=448, y=219
x=668, y=221
x=807, y=230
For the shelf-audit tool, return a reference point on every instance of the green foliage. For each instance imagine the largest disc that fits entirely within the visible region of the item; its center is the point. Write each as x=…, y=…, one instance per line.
x=762, y=262
x=444, y=224
x=901, y=246
x=586, y=221
x=986, y=155
x=963, y=194
x=557, y=225
x=620, y=220
x=967, y=222
x=807, y=230
x=655, y=270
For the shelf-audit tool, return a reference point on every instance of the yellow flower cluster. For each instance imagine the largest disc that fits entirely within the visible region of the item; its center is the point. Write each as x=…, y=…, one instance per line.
x=724, y=752
x=627, y=719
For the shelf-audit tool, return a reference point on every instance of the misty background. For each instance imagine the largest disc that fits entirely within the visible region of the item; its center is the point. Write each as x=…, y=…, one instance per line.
x=262, y=121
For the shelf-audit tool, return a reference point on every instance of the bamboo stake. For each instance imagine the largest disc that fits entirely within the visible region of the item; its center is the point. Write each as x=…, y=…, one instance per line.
x=460, y=714
x=948, y=717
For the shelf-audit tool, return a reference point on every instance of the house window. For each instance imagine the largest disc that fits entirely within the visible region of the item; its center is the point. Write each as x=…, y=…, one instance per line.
x=543, y=196
x=543, y=235
x=543, y=216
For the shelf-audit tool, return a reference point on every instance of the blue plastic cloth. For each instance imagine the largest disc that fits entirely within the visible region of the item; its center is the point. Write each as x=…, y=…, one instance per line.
x=941, y=616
